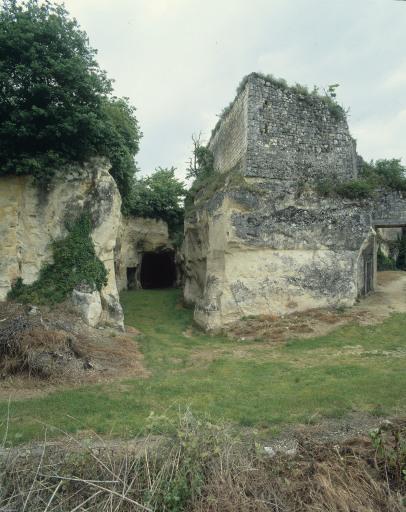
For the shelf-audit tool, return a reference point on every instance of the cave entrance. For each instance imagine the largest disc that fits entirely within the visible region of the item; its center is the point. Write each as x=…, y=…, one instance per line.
x=158, y=270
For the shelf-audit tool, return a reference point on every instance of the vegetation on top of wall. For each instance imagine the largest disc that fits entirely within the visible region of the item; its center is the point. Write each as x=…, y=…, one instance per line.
x=201, y=170
x=329, y=96
x=373, y=176
x=56, y=104
x=74, y=263
x=206, y=180
x=160, y=196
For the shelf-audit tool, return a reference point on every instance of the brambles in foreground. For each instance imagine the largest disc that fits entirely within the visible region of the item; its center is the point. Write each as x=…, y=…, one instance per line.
x=198, y=466
x=74, y=263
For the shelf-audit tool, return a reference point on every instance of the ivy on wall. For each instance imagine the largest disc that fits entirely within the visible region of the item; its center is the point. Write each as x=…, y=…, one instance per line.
x=74, y=263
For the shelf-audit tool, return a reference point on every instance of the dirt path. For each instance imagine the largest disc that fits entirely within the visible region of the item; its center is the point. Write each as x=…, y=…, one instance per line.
x=389, y=297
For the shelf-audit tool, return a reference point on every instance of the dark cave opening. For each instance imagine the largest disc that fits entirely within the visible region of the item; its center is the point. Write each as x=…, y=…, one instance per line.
x=158, y=270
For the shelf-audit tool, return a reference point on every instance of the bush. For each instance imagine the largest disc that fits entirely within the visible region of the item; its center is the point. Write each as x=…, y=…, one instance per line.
x=160, y=196
x=355, y=189
x=382, y=174
x=384, y=262
x=56, y=107
x=201, y=169
x=389, y=174
x=74, y=263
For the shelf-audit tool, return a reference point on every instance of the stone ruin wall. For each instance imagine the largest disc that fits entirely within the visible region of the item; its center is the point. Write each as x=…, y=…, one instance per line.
x=294, y=138
x=229, y=140
x=272, y=245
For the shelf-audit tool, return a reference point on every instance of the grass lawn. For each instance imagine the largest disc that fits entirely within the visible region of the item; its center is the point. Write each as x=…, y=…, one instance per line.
x=256, y=384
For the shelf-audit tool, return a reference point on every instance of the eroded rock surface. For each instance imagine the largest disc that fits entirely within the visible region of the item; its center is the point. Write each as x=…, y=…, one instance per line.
x=30, y=220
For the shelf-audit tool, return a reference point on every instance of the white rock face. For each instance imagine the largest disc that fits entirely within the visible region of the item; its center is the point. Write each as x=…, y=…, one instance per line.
x=89, y=306
x=136, y=236
x=30, y=220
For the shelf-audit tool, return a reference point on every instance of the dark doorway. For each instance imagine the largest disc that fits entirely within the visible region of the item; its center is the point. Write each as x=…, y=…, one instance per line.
x=368, y=274
x=158, y=270
x=131, y=278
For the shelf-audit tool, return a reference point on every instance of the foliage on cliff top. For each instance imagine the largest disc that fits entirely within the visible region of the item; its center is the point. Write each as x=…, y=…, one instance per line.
x=201, y=170
x=160, y=196
x=56, y=104
x=382, y=174
x=74, y=263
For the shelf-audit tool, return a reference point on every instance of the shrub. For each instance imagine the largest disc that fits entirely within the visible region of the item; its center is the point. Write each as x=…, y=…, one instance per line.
x=389, y=174
x=160, y=196
x=74, y=262
x=355, y=189
x=201, y=169
x=382, y=174
x=384, y=262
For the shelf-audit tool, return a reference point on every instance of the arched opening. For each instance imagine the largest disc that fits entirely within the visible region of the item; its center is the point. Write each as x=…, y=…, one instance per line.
x=158, y=270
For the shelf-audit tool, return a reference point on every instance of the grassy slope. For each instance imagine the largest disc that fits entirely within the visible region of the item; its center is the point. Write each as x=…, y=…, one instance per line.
x=253, y=384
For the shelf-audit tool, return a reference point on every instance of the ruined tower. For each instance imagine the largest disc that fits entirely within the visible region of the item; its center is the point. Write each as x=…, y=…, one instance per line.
x=262, y=239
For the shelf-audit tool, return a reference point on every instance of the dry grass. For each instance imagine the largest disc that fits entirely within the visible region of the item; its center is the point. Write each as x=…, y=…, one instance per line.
x=201, y=467
x=310, y=323
x=57, y=347
x=38, y=353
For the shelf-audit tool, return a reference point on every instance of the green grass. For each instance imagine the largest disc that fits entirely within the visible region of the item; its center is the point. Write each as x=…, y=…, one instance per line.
x=253, y=384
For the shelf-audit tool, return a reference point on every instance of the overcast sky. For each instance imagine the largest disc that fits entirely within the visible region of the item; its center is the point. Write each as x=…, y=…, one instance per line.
x=180, y=61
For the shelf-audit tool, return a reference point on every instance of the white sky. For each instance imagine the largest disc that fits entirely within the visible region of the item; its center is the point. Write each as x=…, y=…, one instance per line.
x=180, y=61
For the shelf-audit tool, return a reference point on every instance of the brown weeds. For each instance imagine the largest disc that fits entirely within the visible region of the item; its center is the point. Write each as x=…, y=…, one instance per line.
x=201, y=467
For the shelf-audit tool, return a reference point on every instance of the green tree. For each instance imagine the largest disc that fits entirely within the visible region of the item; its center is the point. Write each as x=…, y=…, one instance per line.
x=121, y=145
x=160, y=196
x=55, y=101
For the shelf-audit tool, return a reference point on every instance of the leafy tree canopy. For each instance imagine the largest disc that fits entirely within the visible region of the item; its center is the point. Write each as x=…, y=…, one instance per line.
x=160, y=196
x=56, y=106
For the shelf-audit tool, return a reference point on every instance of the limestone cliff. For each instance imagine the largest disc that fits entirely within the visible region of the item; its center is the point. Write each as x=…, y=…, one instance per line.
x=30, y=220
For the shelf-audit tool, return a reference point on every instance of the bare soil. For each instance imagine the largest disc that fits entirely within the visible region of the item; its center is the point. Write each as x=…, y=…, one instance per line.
x=389, y=298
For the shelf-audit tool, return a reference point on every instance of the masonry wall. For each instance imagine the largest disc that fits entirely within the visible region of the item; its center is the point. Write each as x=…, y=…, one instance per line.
x=229, y=142
x=295, y=137
x=390, y=209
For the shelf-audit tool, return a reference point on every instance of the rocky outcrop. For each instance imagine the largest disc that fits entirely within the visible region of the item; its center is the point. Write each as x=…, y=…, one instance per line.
x=30, y=220
x=265, y=242
x=89, y=305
